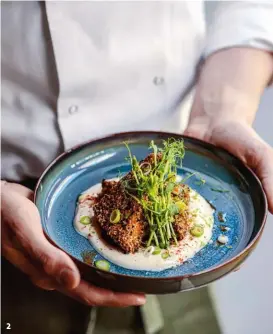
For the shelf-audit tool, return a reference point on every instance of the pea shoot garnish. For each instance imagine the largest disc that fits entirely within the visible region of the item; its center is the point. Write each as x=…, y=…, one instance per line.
x=153, y=185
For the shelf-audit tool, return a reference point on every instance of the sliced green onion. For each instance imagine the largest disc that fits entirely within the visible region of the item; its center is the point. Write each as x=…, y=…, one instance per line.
x=146, y=167
x=156, y=251
x=115, y=216
x=165, y=255
x=85, y=220
x=81, y=197
x=103, y=265
x=197, y=231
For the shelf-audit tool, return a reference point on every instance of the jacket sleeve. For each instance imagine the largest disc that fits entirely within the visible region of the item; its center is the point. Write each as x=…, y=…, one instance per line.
x=240, y=23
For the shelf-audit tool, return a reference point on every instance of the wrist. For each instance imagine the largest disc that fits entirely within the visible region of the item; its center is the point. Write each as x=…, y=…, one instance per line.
x=209, y=113
x=214, y=104
x=203, y=126
x=219, y=118
x=230, y=85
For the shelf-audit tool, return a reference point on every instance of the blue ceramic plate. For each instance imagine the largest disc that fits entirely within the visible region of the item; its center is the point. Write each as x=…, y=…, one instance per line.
x=230, y=186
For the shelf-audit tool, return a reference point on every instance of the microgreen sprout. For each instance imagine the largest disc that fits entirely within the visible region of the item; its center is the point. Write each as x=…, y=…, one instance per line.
x=152, y=186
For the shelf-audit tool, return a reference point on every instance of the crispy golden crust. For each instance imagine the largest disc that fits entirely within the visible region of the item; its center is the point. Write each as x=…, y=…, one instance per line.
x=129, y=231
x=128, y=236
x=151, y=158
x=144, y=165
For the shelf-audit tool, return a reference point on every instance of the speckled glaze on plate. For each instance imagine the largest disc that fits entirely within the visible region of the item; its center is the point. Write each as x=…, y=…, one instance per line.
x=230, y=186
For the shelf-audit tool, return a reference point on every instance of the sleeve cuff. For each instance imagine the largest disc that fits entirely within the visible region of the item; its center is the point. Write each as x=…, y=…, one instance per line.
x=241, y=23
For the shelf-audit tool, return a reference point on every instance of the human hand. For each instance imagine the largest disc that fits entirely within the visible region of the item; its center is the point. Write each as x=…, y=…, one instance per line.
x=239, y=138
x=25, y=246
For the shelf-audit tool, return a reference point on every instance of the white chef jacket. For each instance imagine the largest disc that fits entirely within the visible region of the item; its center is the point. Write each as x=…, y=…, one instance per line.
x=73, y=71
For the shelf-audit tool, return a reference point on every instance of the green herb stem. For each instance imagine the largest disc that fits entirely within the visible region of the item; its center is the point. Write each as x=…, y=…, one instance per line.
x=152, y=189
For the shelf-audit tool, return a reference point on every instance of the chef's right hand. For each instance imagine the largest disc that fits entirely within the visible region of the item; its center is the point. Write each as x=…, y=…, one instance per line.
x=25, y=246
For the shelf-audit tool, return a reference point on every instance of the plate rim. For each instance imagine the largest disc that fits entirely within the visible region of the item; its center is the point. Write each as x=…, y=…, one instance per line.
x=247, y=249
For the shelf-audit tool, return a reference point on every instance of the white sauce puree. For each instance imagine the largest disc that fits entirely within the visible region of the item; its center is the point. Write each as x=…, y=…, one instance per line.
x=141, y=260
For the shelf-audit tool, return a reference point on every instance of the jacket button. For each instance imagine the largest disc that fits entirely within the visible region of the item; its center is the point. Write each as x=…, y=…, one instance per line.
x=73, y=110
x=158, y=81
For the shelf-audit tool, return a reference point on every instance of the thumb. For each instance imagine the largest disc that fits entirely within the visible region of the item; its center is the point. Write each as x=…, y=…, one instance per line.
x=242, y=141
x=264, y=170
x=22, y=218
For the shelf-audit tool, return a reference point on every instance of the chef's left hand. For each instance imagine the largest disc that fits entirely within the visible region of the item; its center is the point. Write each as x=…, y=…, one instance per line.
x=228, y=92
x=240, y=139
